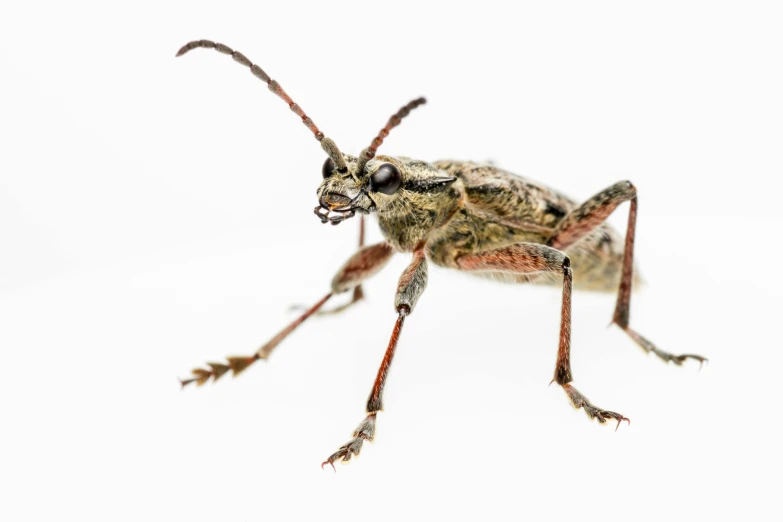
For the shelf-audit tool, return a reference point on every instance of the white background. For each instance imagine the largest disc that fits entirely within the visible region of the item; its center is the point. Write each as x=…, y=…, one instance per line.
x=156, y=213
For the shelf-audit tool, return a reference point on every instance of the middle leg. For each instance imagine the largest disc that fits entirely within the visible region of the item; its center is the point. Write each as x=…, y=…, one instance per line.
x=531, y=259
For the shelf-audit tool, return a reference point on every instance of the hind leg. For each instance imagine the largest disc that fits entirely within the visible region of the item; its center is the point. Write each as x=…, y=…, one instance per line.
x=583, y=220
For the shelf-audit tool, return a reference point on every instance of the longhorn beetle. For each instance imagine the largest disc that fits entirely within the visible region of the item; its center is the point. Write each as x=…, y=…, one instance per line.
x=462, y=215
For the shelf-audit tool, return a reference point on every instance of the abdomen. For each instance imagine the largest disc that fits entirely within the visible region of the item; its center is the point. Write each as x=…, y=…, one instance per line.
x=499, y=208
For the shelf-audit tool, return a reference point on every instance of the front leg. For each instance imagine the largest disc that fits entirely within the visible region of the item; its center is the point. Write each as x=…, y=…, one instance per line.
x=358, y=292
x=362, y=265
x=531, y=259
x=409, y=289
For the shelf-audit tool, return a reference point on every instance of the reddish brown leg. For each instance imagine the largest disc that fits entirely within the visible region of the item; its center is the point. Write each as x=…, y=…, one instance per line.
x=363, y=264
x=238, y=364
x=530, y=258
x=583, y=220
x=358, y=293
x=409, y=289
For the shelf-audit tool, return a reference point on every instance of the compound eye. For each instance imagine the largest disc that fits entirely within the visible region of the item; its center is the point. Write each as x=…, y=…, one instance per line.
x=387, y=179
x=328, y=168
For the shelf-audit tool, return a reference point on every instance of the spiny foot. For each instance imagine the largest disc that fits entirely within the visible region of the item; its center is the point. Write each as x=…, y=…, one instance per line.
x=580, y=401
x=679, y=359
x=217, y=370
x=602, y=415
x=365, y=431
x=344, y=453
x=665, y=356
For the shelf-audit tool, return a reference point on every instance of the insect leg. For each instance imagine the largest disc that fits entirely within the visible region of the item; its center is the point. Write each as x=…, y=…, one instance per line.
x=409, y=289
x=358, y=293
x=362, y=265
x=531, y=258
x=583, y=220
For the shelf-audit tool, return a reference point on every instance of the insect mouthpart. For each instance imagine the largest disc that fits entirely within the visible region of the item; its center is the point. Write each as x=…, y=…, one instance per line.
x=343, y=207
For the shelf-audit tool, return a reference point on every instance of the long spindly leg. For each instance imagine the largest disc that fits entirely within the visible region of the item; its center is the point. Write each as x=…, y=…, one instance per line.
x=357, y=294
x=583, y=220
x=531, y=259
x=363, y=264
x=409, y=289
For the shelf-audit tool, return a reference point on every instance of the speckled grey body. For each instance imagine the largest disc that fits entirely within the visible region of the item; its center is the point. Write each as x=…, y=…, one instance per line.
x=466, y=216
x=481, y=208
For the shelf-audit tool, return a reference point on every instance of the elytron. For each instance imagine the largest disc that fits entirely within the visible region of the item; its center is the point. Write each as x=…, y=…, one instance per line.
x=466, y=216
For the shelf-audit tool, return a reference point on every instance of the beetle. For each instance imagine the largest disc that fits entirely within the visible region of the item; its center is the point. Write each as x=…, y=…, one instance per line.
x=462, y=215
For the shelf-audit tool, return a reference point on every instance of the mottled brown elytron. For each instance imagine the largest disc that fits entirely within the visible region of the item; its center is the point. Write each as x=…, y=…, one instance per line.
x=467, y=216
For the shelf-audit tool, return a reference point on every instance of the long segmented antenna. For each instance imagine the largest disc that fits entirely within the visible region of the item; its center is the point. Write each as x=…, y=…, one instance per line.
x=369, y=153
x=329, y=146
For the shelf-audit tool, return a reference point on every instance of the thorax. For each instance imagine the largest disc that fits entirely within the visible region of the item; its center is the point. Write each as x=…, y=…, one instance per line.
x=495, y=208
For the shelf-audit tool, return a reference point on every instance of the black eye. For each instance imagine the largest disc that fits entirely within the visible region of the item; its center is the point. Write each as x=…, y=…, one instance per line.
x=328, y=168
x=386, y=179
